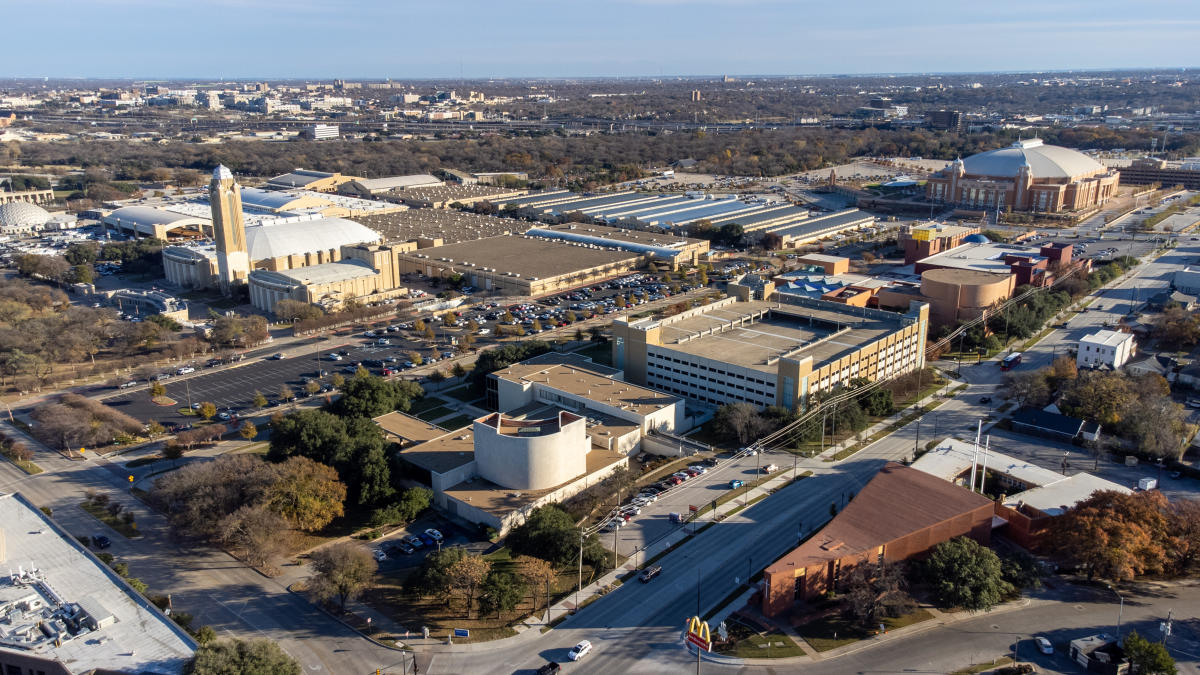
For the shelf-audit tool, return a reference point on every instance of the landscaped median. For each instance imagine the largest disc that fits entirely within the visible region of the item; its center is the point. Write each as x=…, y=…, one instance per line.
x=112, y=514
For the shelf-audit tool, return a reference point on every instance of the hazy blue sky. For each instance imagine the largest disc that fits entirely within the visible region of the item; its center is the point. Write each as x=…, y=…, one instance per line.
x=497, y=38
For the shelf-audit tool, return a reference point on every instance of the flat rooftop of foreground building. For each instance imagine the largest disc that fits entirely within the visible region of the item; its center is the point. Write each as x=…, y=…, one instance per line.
x=589, y=384
x=939, y=230
x=500, y=501
x=448, y=225
x=965, y=277
x=528, y=257
x=897, y=502
x=325, y=273
x=409, y=430
x=1057, y=497
x=952, y=457
x=782, y=330
x=445, y=452
x=981, y=257
x=619, y=234
x=128, y=634
x=1108, y=338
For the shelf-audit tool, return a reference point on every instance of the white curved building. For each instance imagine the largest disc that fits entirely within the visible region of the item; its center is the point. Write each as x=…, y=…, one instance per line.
x=1026, y=176
x=147, y=221
x=22, y=217
x=531, y=454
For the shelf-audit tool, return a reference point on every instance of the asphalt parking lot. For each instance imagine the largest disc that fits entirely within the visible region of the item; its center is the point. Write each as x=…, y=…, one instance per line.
x=234, y=387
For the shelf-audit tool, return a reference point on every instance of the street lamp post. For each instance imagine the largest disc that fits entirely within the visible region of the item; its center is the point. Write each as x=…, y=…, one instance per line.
x=1120, y=611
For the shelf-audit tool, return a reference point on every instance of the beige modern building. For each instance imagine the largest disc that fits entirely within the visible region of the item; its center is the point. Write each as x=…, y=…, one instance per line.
x=1026, y=176
x=768, y=353
x=520, y=265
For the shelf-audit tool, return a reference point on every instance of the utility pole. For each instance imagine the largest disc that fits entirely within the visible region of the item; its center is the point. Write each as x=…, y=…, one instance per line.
x=580, y=585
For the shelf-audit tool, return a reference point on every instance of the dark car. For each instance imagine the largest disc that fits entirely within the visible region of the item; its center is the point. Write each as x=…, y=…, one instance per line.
x=649, y=573
x=427, y=540
x=548, y=669
x=101, y=542
x=711, y=461
x=405, y=548
x=985, y=399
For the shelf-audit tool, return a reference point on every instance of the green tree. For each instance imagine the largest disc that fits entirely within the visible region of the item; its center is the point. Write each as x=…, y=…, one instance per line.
x=548, y=533
x=157, y=389
x=500, y=593
x=458, y=370
x=411, y=503
x=242, y=657
x=207, y=410
x=1148, y=658
x=259, y=401
x=432, y=579
x=341, y=571
x=370, y=396
x=963, y=573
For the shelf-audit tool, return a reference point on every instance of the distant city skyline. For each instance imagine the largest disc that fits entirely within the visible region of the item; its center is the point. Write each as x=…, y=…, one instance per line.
x=296, y=39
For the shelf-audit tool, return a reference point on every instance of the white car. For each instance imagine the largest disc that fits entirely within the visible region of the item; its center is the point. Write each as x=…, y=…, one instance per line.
x=579, y=651
x=185, y=370
x=383, y=341
x=369, y=333
x=434, y=534
x=1044, y=645
x=697, y=467
x=379, y=555
x=335, y=357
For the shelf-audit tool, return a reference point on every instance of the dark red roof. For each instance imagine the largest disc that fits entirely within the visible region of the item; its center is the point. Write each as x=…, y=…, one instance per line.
x=898, y=501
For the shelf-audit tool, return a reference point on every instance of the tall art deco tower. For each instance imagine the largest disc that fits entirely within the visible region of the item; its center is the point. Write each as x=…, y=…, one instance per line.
x=233, y=260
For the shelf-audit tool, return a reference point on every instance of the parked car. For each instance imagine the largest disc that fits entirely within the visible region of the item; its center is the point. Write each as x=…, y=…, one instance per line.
x=437, y=536
x=649, y=573
x=770, y=468
x=691, y=472
x=711, y=462
x=580, y=650
x=631, y=509
x=101, y=542
x=185, y=370
x=129, y=384
x=427, y=540
x=614, y=524
x=699, y=468
x=985, y=399
x=414, y=541
x=1044, y=645
x=277, y=356
x=404, y=547
x=379, y=555
x=335, y=357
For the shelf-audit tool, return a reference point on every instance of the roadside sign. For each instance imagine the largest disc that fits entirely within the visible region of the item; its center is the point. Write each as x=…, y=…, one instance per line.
x=699, y=634
x=131, y=478
x=462, y=632
x=693, y=508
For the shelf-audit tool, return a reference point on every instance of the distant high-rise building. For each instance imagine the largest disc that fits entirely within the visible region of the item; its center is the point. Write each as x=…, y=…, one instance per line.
x=695, y=95
x=322, y=132
x=946, y=120
x=229, y=226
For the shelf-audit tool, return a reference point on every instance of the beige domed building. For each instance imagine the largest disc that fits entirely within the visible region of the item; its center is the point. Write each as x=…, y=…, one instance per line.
x=1026, y=176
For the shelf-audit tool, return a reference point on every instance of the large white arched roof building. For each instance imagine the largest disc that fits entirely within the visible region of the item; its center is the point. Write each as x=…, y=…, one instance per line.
x=1026, y=176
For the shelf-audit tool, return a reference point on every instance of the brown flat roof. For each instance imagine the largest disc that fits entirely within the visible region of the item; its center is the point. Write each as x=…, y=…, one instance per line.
x=588, y=384
x=408, y=429
x=444, y=453
x=525, y=256
x=487, y=496
x=898, y=501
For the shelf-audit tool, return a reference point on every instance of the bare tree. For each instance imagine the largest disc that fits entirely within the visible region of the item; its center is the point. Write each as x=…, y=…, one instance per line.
x=466, y=574
x=342, y=571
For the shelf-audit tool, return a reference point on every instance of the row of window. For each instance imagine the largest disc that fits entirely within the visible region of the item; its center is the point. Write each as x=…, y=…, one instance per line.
x=700, y=367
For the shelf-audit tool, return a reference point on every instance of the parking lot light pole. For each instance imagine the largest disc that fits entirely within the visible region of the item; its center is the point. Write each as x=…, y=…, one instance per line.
x=1120, y=611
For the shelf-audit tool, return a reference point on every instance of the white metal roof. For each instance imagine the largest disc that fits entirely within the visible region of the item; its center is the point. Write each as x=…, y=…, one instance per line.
x=952, y=457
x=1064, y=493
x=318, y=274
x=393, y=182
x=287, y=237
x=1108, y=338
x=1045, y=161
x=133, y=635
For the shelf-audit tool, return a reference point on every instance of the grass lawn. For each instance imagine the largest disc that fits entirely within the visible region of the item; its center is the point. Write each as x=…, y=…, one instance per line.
x=388, y=597
x=456, y=422
x=433, y=413
x=837, y=630
x=423, y=404
x=755, y=647
x=705, y=434
x=101, y=513
x=464, y=394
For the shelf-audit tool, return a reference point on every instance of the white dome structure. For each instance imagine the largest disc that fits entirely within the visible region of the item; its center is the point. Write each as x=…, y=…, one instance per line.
x=22, y=217
x=1044, y=161
x=1026, y=176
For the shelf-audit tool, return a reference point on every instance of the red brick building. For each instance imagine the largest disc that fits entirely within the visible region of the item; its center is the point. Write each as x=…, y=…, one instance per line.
x=901, y=514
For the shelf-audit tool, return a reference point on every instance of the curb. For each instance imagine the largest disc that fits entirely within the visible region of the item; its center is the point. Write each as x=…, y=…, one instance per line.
x=343, y=622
